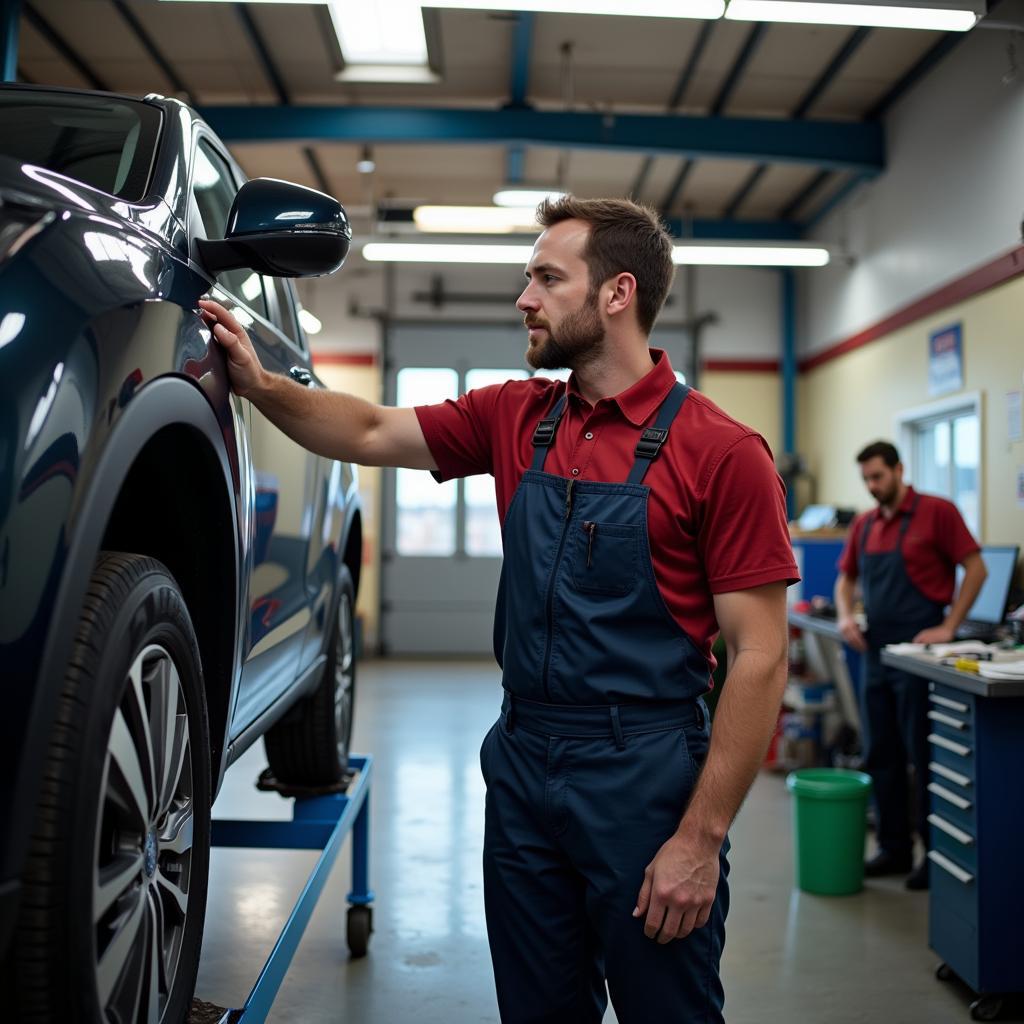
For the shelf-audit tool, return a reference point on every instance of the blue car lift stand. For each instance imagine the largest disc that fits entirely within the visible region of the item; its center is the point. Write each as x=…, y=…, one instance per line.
x=318, y=823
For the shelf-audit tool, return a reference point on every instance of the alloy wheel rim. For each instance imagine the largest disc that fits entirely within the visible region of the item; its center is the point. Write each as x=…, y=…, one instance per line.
x=142, y=859
x=344, y=675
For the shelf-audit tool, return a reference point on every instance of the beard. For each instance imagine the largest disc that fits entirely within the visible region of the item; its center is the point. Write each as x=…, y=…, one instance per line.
x=887, y=496
x=579, y=341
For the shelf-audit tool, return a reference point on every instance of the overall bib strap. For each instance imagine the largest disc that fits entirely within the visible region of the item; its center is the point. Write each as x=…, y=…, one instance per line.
x=652, y=438
x=544, y=435
x=866, y=532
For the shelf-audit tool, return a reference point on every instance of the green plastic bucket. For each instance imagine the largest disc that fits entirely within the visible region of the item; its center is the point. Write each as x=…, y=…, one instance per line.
x=829, y=812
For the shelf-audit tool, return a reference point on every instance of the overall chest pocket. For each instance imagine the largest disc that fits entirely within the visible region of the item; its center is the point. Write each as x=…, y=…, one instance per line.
x=606, y=557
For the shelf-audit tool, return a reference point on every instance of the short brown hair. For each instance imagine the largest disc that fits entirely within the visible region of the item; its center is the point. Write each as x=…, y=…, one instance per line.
x=625, y=237
x=880, y=450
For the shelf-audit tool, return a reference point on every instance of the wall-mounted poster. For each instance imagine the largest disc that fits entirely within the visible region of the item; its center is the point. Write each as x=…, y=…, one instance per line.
x=945, y=360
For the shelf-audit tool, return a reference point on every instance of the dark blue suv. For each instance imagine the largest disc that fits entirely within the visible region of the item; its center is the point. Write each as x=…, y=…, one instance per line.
x=177, y=576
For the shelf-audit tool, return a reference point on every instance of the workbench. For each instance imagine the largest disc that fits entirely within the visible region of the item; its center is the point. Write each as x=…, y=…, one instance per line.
x=826, y=649
x=976, y=819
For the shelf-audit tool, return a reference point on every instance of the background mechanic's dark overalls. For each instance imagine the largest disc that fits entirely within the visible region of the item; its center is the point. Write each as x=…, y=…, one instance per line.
x=594, y=757
x=894, y=704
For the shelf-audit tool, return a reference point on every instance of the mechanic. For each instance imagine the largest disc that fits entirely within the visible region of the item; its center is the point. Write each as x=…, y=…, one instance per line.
x=638, y=520
x=905, y=554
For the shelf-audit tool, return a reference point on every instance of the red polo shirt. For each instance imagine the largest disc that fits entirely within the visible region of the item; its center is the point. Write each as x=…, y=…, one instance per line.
x=716, y=513
x=937, y=540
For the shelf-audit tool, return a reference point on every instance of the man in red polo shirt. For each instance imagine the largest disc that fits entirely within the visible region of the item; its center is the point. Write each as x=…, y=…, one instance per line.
x=904, y=553
x=638, y=520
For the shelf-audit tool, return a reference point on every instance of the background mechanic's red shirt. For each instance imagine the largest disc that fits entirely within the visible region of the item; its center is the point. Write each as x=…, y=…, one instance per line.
x=937, y=540
x=716, y=513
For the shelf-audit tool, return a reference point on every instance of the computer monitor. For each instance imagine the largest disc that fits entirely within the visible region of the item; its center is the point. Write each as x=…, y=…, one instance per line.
x=990, y=604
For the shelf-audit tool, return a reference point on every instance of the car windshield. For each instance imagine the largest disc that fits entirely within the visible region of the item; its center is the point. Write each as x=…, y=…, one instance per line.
x=101, y=141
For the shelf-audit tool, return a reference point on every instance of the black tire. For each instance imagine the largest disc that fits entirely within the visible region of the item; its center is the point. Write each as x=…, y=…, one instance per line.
x=944, y=972
x=358, y=929
x=111, y=919
x=310, y=745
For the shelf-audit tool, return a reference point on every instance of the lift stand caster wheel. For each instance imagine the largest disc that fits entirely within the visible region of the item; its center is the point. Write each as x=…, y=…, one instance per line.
x=360, y=926
x=986, y=1008
x=944, y=972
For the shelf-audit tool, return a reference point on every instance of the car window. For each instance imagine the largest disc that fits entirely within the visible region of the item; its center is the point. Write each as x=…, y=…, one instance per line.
x=104, y=142
x=285, y=304
x=214, y=191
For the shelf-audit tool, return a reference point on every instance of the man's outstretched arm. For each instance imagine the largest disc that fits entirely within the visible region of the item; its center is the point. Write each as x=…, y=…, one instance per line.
x=680, y=883
x=329, y=423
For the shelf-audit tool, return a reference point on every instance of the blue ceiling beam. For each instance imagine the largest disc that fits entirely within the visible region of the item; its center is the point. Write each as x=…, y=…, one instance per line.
x=10, y=20
x=678, y=94
x=840, y=196
x=676, y=186
x=857, y=147
x=746, y=55
x=941, y=49
x=683, y=229
x=734, y=230
x=745, y=189
x=823, y=81
x=750, y=45
x=519, y=82
x=791, y=208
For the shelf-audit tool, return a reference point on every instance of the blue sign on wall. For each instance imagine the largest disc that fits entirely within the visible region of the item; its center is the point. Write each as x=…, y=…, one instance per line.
x=946, y=360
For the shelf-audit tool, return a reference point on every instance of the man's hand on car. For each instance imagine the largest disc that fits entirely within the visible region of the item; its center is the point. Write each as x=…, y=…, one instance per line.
x=244, y=367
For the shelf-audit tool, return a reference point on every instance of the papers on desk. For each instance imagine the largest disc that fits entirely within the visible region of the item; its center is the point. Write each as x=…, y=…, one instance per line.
x=1002, y=669
x=969, y=649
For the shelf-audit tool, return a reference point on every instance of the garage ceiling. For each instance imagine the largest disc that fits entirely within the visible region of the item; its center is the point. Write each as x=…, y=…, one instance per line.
x=229, y=54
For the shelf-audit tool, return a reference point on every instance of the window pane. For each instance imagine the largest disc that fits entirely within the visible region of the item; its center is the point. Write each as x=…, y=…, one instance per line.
x=931, y=461
x=425, y=513
x=966, y=452
x=214, y=190
x=483, y=531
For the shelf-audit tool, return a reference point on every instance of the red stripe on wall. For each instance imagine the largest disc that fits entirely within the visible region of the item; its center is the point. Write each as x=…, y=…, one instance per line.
x=1000, y=270
x=344, y=359
x=741, y=365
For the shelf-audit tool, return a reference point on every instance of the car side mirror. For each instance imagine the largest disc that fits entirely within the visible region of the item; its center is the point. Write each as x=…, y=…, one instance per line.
x=282, y=230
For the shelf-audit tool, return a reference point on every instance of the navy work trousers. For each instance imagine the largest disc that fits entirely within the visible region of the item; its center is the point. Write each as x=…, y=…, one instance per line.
x=894, y=709
x=571, y=824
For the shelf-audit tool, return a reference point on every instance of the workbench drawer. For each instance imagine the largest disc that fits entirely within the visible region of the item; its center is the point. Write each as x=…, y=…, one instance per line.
x=953, y=841
x=954, y=804
x=952, y=752
x=950, y=699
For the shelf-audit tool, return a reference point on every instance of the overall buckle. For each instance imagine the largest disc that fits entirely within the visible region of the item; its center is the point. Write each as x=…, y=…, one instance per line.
x=545, y=432
x=651, y=440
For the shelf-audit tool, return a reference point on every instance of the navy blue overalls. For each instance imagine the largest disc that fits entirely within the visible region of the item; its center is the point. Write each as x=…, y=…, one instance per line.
x=597, y=750
x=894, y=704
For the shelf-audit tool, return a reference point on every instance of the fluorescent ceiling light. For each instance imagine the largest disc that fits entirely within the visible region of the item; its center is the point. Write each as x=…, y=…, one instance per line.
x=380, y=31
x=636, y=8
x=709, y=254
x=310, y=324
x=475, y=219
x=525, y=196
x=749, y=255
x=418, y=252
x=824, y=12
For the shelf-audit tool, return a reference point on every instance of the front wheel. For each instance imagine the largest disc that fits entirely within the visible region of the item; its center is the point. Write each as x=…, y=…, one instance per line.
x=310, y=745
x=111, y=921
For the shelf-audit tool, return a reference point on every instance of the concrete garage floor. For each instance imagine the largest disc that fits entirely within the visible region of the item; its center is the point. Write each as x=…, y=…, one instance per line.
x=790, y=958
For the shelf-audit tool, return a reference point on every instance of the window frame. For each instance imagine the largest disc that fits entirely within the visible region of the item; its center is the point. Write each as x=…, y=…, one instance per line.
x=909, y=421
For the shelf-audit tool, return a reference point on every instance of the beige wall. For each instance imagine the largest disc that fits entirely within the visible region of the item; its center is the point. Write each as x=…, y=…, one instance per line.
x=752, y=397
x=854, y=399
x=364, y=381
